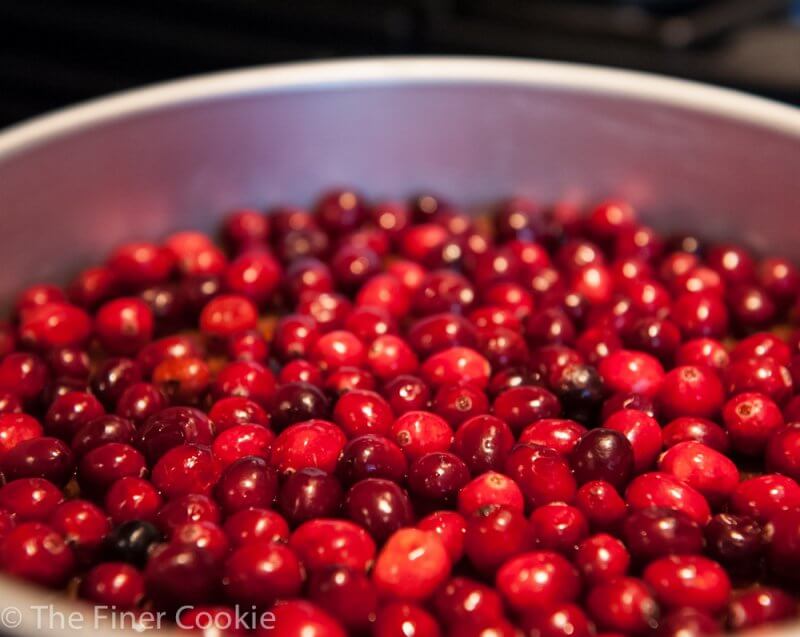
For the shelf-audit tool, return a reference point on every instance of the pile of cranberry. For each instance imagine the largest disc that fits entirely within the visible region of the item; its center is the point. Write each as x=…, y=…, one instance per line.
x=402, y=421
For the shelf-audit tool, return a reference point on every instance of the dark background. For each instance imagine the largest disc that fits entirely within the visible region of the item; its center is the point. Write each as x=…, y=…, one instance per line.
x=57, y=52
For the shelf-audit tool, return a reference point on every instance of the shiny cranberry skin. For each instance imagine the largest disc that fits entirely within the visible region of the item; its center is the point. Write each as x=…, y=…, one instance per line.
x=245, y=228
x=112, y=377
x=257, y=573
x=437, y=477
x=299, y=618
x=301, y=371
x=642, y=431
x=752, y=419
x=735, y=541
x=490, y=489
x=140, y=401
x=623, y=604
x=256, y=525
x=53, y=325
x=495, y=534
x=763, y=496
x=337, y=349
x=16, y=428
x=561, y=620
x=436, y=333
x=451, y=527
x=380, y=506
x=242, y=440
x=307, y=494
x=781, y=451
x=764, y=375
x=700, y=314
x=247, y=482
x=601, y=558
x=760, y=606
x=45, y=457
x=690, y=391
x=371, y=456
x=102, y=430
x=537, y=580
x=688, y=622
x=458, y=403
x=521, y=406
x=229, y=412
x=104, y=465
x=368, y=323
x=710, y=472
x=346, y=594
x=381, y=300
x=411, y=565
x=698, y=430
x=245, y=379
x=30, y=498
x=36, y=552
x=314, y=443
x=407, y=393
x=172, y=427
x=132, y=498
x=165, y=348
x=340, y=211
x=603, y=454
x=9, y=403
x=188, y=508
x=113, y=584
x=664, y=490
x=620, y=401
x=23, y=374
x=783, y=551
x=255, y=274
x=206, y=537
x=178, y=575
x=141, y=264
x=596, y=343
x=558, y=527
x=483, y=443
x=549, y=326
x=36, y=296
x=124, y=325
x=92, y=286
x=580, y=390
x=762, y=344
x=184, y=381
x=555, y=433
x=421, y=432
x=389, y=355
x=689, y=580
x=297, y=402
x=463, y=603
x=654, y=532
x=326, y=542
x=363, y=412
x=601, y=503
x=703, y=351
x=307, y=275
x=295, y=336
x=541, y=473
x=83, y=526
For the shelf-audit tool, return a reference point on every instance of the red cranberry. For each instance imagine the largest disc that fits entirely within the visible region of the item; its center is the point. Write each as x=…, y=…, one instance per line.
x=763, y=375
x=690, y=391
x=104, y=465
x=112, y=377
x=601, y=503
x=298, y=618
x=601, y=558
x=451, y=527
x=702, y=351
x=711, y=473
x=664, y=490
x=297, y=402
x=490, y=489
x=439, y=332
x=562, y=620
x=179, y=575
x=242, y=440
x=100, y=431
x=314, y=443
x=258, y=574
x=458, y=403
x=624, y=605
x=255, y=274
x=113, y=584
x=256, y=525
x=30, y=498
x=229, y=412
x=764, y=496
x=411, y=565
x=654, y=532
x=368, y=323
x=751, y=420
x=735, y=541
x=295, y=336
x=696, y=429
x=387, y=298
x=380, y=506
x=371, y=456
x=16, y=428
x=537, y=580
x=92, y=286
x=325, y=542
x=54, y=325
x=521, y=406
x=642, y=431
x=9, y=403
x=140, y=401
x=346, y=594
x=557, y=434
x=245, y=229
x=760, y=606
x=247, y=482
x=421, y=432
x=36, y=296
x=389, y=355
x=83, y=526
x=188, y=508
x=558, y=527
x=124, y=325
x=457, y=364
x=699, y=314
x=165, y=348
x=141, y=264
x=602, y=454
x=781, y=451
x=245, y=379
x=688, y=622
x=363, y=412
x=172, y=427
x=23, y=374
x=307, y=275
x=36, y=552
x=495, y=534
x=689, y=580
x=762, y=344
x=541, y=473
x=308, y=494
x=337, y=349
x=597, y=343
x=182, y=380
x=483, y=443
x=206, y=537
x=45, y=457
x=132, y=498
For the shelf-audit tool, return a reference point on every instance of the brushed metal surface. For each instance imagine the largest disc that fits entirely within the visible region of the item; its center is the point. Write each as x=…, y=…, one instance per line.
x=176, y=156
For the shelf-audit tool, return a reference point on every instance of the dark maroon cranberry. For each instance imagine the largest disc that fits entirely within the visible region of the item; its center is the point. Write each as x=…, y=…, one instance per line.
x=297, y=402
x=510, y=378
x=70, y=362
x=47, y=458
x=522, y=406
x=735, y=541
x=245, y=228
x=380, y=506
x=309, y=493
x=655, y=532
x=167, y=305
x=140, y=401
x=618, y=402
x=603, y=454
x=340, y=211
x=248, y=482
x=550, y=326
x=407, y=393
x=483, y=443
x=437, y=477
x=68, y=413
x=132, y=542
x=172, y=427
x=372, y=456
x=198, y=290
x=102, y=430
x=112, y=377
x=347, y=594
x=580, y=390
x=178, y=575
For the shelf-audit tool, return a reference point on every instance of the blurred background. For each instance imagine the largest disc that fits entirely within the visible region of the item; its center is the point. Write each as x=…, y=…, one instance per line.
x=57, y=52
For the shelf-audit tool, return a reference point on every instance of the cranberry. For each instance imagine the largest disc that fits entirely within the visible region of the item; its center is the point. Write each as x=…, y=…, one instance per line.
x=490, y=489
x=25, y=375
x=459, y=403
x=242, y=440
x=654, y=532
x=141, y=264
x=30, y=498
x=100, y=431
x=47, y=458
x=385, y=297
x=380, y=506
x=597, y=343
x=255, y=525
x=763, y=496
x=603, y=454
x=751, y=420
x=689, y=580
x=205, y=537
x=255, y=274
x=601, y=503
x=132, y=498
x=642, y=431
x=297, y=402
x=371, y=456
x=521, y=406
x=346, y=594
x=132, y=542
x=696, y=429
x=421, y=432
x=451, y=527
x=620, y=401
x=703, y=351
x=760, y=606
x=309, y=493
x=9, y=403
x=700, y=314
x=53, y=325
x=411, y=565
x=295, y=336
x=178, y=575
x=537, y=580
x=245, y=379
x=483, y=443
x=688, y=622
x=368, y=323
x=188, y=508
x=124, y=325
x=140, y=401
x=580, y=391
x=112, y=377
x=438, y=476
x=103, y=465
x=245, y=228
x=182, y=380
x=165, y=348
x=247, y=482
x=623, y=604
x=664, y=490
x=363, y=412
x=325, y=542
x=92, y=286
x=314, y=443
x=558, y=527
x=711, y=473
x=541, y=473
x=764, y=375
x=172, y=427
x=495, y=534
x=16, y=428
x=113, y=584
x=562, y=620
x=736, y=541
x=389, y=356
x=690, y=391
x=36, y=552
x=601, y=558
x=229, y=412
